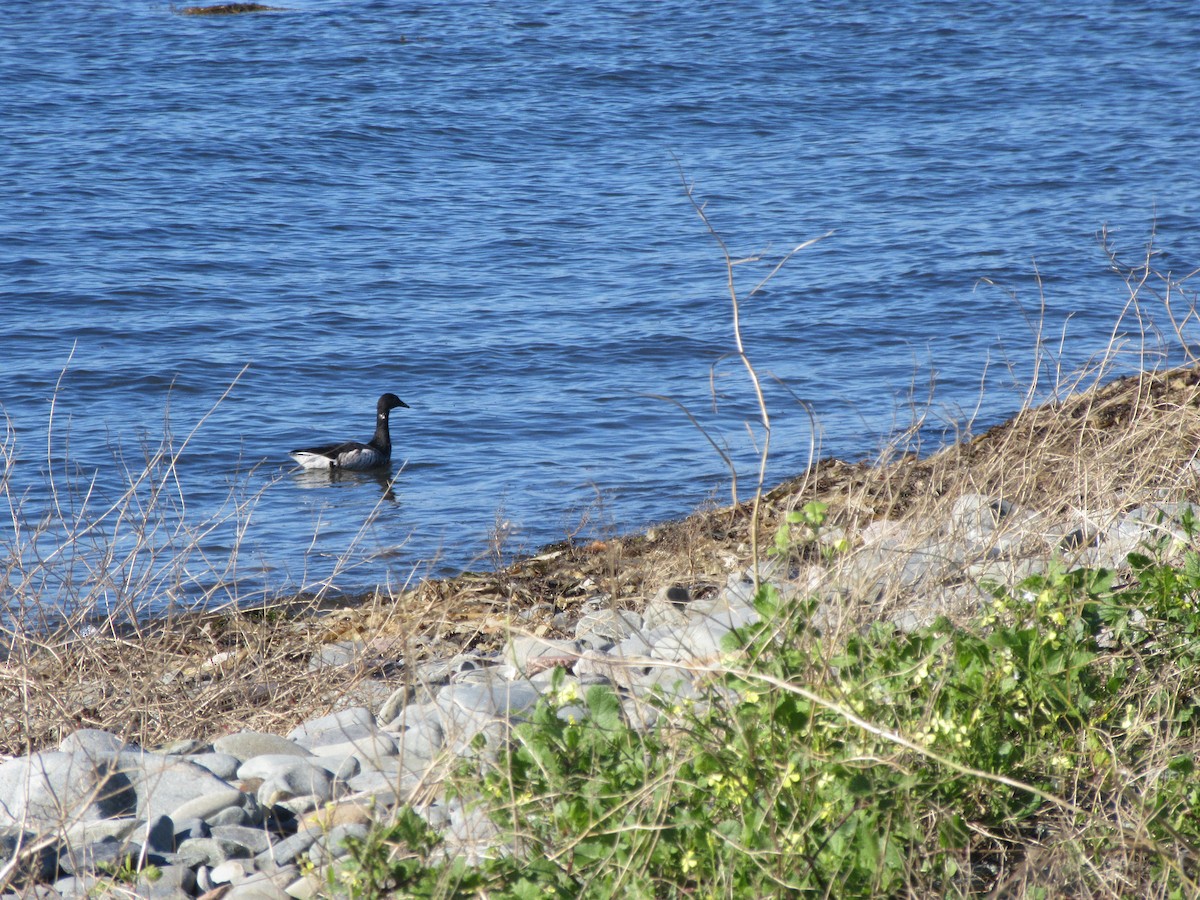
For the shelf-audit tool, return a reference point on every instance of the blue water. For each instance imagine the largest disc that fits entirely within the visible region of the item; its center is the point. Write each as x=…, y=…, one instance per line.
x=479, y=206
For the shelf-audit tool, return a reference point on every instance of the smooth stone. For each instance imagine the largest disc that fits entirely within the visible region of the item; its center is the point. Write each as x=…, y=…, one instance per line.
x=256, y=840
x=333, y=845
x=191, y=828
x=338, y=655
x=640, y=715
x=606, y=626
x=174, y=882
x=91, y=832
x=497, y=696
x=203, y=882
x=668, y=607
x=1006, y=572
x=345, y=812
x=931, y=560
x=237, y=816
x=295, y=781
x=410, y=715
x=370, y=746
x=698, y=640
x=232, y=871
x=74, y=886
x=975, y=516
x=884, y=531
x=52, y=788
x=1128, y=536
x=209, y=805
x=467, y=710
x=183, y=747
x=247, y=744
x=264, y=886
x=210, y=851
x=721, y=612
x=285, y=852
x=109, y=853
x=164, y=783
x=38, y=865
x=435, y=814
x=639, y=645
x=341, y=736
x=384, y=789
x=886, y=568
x=223, y=765
x=421, y=737
x=93, y=742
x=348, y=723
x=307, y=887
x=524, y=651
x=343, y=768
x=266, y=766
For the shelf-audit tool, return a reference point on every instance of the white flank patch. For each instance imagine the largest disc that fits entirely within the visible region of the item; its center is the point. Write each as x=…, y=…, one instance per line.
x=311, y=460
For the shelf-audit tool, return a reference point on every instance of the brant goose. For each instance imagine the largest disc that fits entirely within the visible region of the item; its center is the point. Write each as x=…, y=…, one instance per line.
x=351, y=454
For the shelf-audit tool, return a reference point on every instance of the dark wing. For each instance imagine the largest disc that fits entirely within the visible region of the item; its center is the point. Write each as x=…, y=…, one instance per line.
x=330, y=451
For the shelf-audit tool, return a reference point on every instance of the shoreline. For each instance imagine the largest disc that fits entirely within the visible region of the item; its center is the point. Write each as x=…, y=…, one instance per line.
x=546, y=593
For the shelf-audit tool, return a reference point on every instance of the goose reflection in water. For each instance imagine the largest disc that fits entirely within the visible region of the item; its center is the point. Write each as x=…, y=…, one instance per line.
x=324, y=478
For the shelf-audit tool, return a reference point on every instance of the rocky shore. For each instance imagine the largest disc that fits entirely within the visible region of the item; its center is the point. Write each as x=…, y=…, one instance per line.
x=386, y=696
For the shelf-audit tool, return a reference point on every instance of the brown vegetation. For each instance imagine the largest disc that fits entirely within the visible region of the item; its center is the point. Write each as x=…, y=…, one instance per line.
x=227, y=9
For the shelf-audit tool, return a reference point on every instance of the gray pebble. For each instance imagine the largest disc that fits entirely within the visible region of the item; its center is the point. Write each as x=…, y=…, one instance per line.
x=346, y=724
x=208, y=805
x=93, y=742
x=668, y=607
x=285, y=852
x=340, y=654
x=607, y=626
x=247, y=744
x=223, y=765
x=288, y=782
x=210, y=851
x=48, y=789
x=256, y=840
x=174, y=882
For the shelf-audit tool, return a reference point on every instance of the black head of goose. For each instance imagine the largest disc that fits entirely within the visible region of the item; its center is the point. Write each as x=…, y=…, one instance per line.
x=374, y=454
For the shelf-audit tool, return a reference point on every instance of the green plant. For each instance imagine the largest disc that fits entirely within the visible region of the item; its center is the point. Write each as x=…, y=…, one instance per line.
x=395, y=860
x=123, y=875
x=928, y=762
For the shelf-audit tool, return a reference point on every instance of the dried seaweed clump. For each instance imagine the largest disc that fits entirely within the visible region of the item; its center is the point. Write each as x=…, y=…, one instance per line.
x=227, y=9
